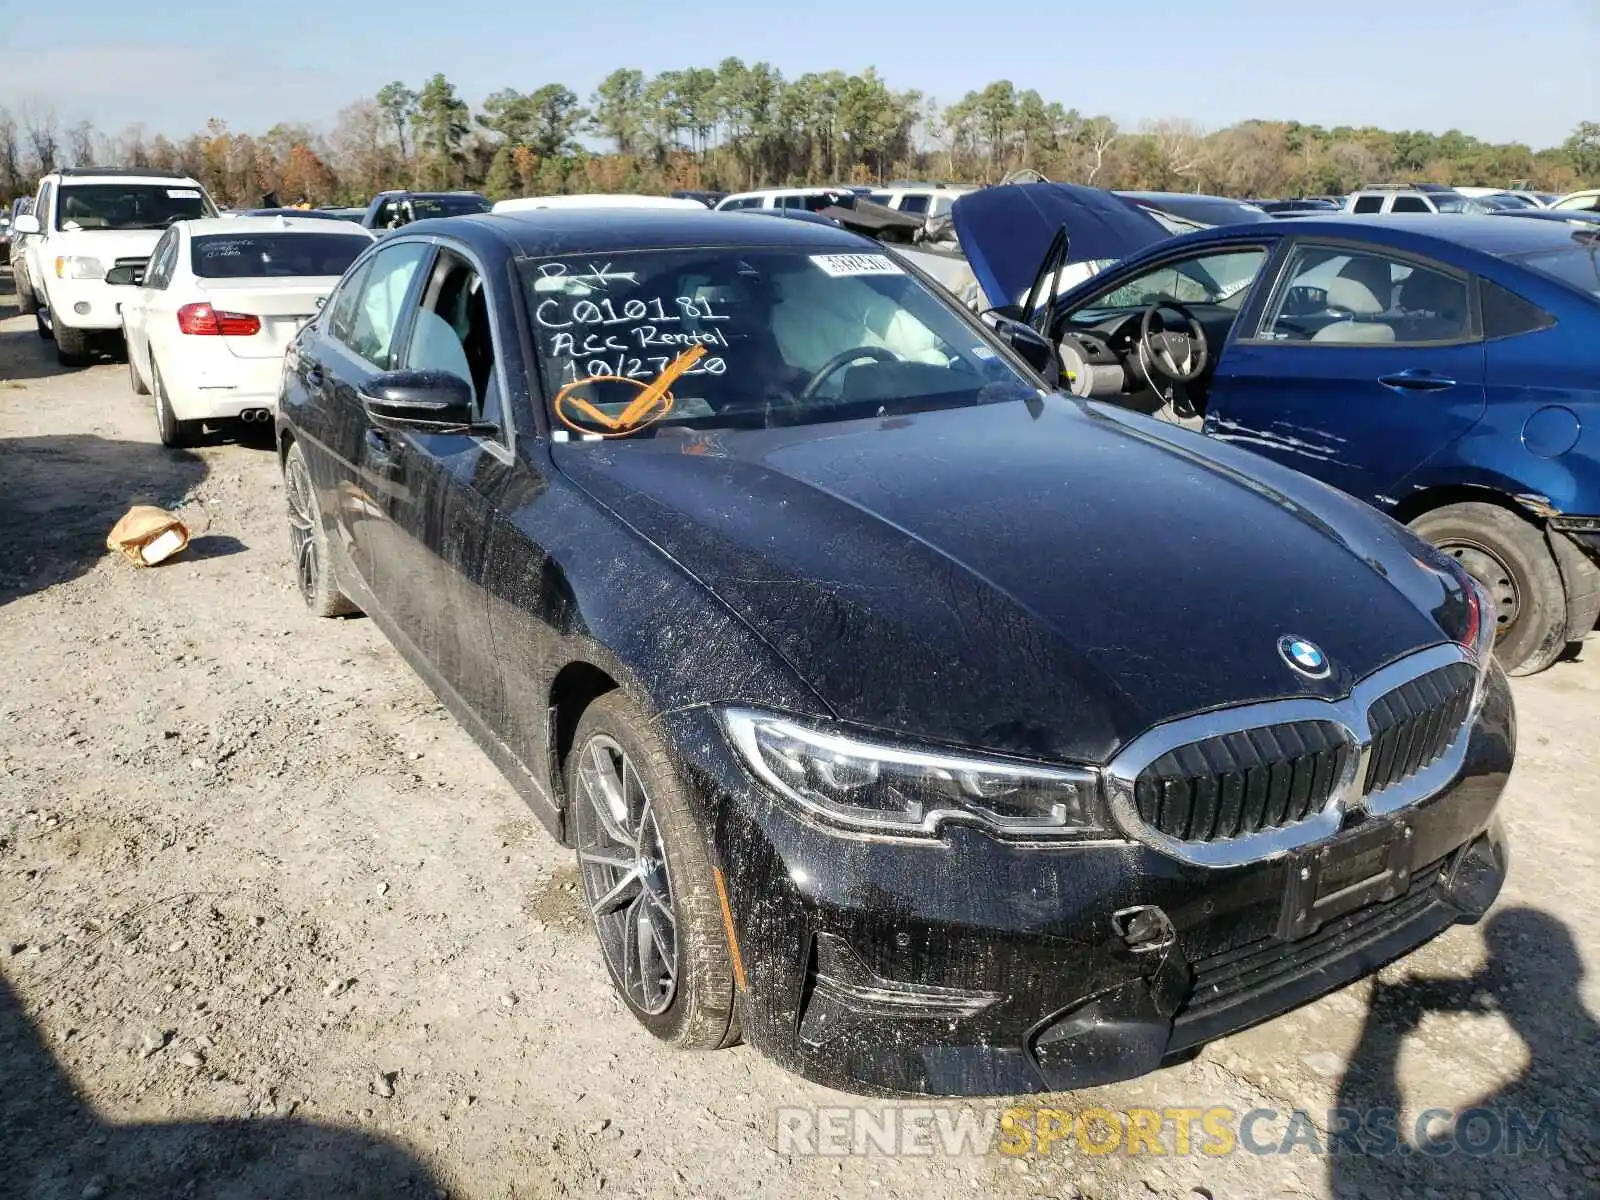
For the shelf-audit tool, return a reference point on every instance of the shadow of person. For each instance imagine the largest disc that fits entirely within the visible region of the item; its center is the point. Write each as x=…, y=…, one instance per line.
x=1534, y=1135
x=53, y=1146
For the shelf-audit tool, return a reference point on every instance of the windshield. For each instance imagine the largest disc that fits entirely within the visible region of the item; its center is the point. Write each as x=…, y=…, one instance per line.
x=1577, y=266
x=129, y=205
x=274, y=255
x=1221, y=279
x=655, y=342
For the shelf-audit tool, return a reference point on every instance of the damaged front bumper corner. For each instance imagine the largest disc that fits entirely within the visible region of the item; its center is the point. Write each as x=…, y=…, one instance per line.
x=971, y=965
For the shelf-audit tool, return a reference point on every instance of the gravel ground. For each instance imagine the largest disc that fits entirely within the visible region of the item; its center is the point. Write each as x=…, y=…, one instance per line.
x=270, y=925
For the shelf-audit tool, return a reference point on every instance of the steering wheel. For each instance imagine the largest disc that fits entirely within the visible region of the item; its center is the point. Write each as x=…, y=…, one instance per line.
x=1157, y=344
x=843, y=359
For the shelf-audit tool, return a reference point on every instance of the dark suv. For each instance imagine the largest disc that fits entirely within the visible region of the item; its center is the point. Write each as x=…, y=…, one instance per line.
x=391, y=210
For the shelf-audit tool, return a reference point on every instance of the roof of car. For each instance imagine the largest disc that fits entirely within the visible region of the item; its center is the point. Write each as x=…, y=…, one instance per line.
x=248, y=224
x=549, y=231
x=115, y=175
x=1489, y=233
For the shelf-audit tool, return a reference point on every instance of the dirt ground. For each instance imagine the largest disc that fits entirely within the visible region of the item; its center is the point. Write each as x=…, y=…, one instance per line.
x=270, y=924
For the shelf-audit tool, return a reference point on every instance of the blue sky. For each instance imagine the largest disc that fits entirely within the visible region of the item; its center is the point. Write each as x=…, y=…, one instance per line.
x=1481, y=67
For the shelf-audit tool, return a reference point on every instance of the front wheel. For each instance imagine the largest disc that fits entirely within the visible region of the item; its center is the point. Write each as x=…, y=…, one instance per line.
x=72, y=345
x=135, y=380
x=1508, y=556
x=308, y=541
x=26, y=300
x=647, y=879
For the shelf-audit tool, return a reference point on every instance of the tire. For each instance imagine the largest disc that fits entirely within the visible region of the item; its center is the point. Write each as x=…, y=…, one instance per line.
x=26, y=300
x=1508, y=555
x=615, y=741
x=135, y=380
x=175, y=434
x=308, y=541
x=72, y=346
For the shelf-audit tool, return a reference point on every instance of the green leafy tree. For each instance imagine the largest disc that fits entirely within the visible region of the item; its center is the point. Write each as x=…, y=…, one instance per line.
x=556, y=118
x=398, y=104
x=440, y=124
x=618, y=108
x=502, y=182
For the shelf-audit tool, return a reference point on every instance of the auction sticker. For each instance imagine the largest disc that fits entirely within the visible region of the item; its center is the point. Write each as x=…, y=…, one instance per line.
x=839, y=265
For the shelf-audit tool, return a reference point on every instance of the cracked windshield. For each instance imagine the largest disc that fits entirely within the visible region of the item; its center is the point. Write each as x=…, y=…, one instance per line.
x=745, y=339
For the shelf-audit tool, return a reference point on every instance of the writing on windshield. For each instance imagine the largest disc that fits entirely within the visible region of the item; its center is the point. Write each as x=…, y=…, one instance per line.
x=644, y=342
x=593, y=333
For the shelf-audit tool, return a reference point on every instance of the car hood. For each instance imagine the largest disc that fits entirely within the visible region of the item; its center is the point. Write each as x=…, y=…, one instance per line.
x=106, y=244
x=1004, y=231
x=1045, y=579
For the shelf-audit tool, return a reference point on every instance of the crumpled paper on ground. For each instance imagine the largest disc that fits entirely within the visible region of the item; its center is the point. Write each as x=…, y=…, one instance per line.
x=147, y=535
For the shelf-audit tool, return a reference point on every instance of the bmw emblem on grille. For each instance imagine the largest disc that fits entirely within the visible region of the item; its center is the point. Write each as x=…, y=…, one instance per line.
x=1305, y=657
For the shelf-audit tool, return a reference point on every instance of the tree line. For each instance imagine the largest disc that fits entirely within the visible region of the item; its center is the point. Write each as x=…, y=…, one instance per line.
x=738, y=126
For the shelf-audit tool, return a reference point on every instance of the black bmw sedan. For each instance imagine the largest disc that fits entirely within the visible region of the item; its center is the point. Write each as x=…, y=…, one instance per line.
x=931, y=730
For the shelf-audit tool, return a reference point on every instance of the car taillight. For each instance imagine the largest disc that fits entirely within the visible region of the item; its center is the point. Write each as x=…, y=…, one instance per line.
x=204, y=321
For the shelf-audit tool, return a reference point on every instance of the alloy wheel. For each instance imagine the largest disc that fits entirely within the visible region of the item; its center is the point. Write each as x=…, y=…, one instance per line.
x=302, y=534
x=1498, y=580
x=626, y=881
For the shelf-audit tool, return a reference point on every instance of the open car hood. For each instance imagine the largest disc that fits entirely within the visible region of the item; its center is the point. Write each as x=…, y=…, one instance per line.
x=1005, y=231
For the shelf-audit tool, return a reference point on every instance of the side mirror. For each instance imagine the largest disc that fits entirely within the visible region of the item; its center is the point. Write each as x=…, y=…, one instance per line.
x=419, y=399
x=26, y=223
x=1032, y=346
x=125, y=276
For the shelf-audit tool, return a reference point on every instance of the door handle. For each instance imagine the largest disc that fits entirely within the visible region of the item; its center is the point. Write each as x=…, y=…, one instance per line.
x=1416, y=381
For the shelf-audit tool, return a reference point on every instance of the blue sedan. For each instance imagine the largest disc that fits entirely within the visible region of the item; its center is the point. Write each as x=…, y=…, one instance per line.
x=1442, y=369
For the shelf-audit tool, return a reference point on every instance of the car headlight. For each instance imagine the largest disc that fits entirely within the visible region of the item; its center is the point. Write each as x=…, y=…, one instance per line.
x=76, y=266
x=1467, y=616
x=880, y=786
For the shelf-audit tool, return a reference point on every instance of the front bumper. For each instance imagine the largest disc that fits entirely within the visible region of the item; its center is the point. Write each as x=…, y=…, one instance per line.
x=969, y=965
x=98, y=299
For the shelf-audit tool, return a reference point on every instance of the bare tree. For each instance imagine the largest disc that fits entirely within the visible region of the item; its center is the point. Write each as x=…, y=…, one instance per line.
x=82, y=141
x=130, y=150
x=43, y=134
x=12, y=181
x=357, y=147
x=1180, y=146
x=1098, y=135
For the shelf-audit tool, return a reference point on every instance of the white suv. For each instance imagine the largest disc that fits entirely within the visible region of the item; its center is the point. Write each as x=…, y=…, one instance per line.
x=85, y=221
x=1425, y=198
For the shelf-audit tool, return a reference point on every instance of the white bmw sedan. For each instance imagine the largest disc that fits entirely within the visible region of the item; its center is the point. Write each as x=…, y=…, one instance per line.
x=208, y=317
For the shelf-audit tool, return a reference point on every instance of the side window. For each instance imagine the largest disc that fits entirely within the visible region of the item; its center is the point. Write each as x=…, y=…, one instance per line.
x=1222, y=279
x=915, y=204
x=1369, y=204
x=791, y=202
x=42, y=207
x=1337, y=296
x=158, y=270
x=342, y=304
x=1506, y=314
x=1411, y=204
x=381, y=303
x=453, y=332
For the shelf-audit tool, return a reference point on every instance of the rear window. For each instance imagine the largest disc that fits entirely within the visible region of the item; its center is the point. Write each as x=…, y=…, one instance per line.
x=1577, y=267
x=270, y=255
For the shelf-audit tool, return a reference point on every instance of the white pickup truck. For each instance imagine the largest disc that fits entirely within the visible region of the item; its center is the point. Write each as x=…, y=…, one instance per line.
x=85, y=221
